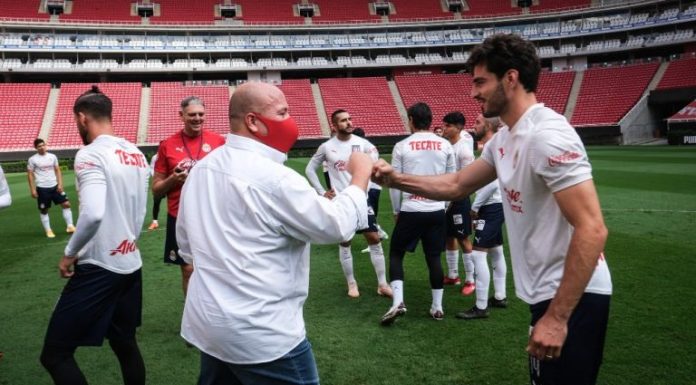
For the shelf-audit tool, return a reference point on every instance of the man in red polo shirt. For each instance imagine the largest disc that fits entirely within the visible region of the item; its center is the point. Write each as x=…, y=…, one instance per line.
x=175, y=157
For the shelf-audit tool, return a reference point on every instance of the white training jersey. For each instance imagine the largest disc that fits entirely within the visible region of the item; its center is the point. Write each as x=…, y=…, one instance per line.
x=118, y=167
x=152, y=165
x=44, y=169
x=488, y=194
x=422, y=153
x=464, y=150
x=336, y=154
x=5, y=198
x=542, y=154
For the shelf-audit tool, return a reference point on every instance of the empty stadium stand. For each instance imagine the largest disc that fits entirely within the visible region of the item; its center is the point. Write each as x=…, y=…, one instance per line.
x=442, y=92
x=423, y=9
x=374, y=111
x=101, y=10
x=165, y=99
x=549, y=5
x=263, y=11
x=302, y=107
x=679, y=74
x=21, y=9
x=607, y=94
x=344, y=10
x=23, y=108
x=126, y=112
x=554, y=89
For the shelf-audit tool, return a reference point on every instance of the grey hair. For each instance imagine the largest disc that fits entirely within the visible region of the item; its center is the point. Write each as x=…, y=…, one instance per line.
x=191, y=100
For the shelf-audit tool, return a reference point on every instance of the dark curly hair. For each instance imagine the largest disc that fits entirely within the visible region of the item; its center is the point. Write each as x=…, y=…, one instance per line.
x=503, y=52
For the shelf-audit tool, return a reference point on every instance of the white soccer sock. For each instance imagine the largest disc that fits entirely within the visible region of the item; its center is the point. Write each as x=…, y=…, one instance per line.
x=468, y=266
x=346, y=257
x=483, y=278
x=67, y=215
x=45, y=221
x=452, y=257
x=377, y=258
x=499, y=271
x=437, y=299
x=397, y=292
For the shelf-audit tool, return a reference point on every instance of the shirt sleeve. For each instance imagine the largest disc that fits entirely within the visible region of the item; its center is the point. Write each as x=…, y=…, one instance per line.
x=91, y=178
x=182, y=239
x=30, y=164
x=372, y=151
x=395, y=194
x=311, y=169
x=483, y=194
x=559, y=157
x=161, y=163
x=451, y=164
x=487, y=153
x=304, y=215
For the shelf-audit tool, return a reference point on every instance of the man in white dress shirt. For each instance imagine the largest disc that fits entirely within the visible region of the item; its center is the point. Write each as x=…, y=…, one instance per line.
x=246, y=222
x=554, y=222
x=103, y=297
x=335, y=152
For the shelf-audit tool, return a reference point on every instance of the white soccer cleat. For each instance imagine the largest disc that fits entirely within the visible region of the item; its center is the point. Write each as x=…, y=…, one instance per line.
x=71, y=229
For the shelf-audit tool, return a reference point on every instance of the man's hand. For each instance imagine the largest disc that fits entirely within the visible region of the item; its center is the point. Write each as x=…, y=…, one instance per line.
x=59, y=188
x=382, y=173
x=473, y=214
x=548, y=336
x=65, y=266
x=179, y=175
x=330, y=194
x=34, y=194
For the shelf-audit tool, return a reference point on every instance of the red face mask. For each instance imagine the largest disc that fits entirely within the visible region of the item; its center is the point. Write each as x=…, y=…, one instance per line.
x=281, y=135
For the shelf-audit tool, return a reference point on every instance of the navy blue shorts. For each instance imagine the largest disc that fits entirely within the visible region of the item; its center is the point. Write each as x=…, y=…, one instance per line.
x=171, y=248
x=411, y=227
x=48, y=195
x=459, y=219
x=372, y=211
x=94, y=304
x=489, y=227
x=583, y=350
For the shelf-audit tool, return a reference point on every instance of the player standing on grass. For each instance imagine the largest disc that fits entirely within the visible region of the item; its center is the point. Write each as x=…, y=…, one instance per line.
x=336, y=152
x=417, y=217
x=175, y=157
x=458, y=219
x=554, y=221
x=103, y=296
x=46, y=186
x=487, y=214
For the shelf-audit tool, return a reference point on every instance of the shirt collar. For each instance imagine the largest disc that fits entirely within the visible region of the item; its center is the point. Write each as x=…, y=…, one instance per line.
x=521, y=122
x=248, y=144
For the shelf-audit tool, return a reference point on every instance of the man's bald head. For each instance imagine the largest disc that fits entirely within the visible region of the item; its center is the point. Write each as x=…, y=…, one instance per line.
x=255, y=97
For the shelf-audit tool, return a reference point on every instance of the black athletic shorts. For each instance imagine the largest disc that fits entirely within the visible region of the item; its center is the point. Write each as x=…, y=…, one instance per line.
x=372, y=210
x=94, y=304
x=48, y=195
x=171, y=248
x=489, y=226
x=459, y=219
x=582, y=352
x=428, y=227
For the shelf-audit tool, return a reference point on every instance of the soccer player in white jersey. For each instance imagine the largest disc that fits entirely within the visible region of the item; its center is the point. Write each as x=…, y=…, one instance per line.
x=458, y=218
x=554, y=221
x=336, y=152
x=103, y=295
x=5, y=197
x=46, y=186
x=418, y=218
x=487, y=214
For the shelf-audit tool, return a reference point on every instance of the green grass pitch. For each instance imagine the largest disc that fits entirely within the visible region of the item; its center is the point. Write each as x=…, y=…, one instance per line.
x=648, y=195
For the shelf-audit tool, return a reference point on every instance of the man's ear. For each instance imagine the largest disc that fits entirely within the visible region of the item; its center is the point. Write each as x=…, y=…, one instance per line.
x=251, y=123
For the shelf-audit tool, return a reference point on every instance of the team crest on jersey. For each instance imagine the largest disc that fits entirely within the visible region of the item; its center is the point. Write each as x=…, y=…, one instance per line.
x=355, y=148
x=501, y=151
x=340, y=165
x=206, y=147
